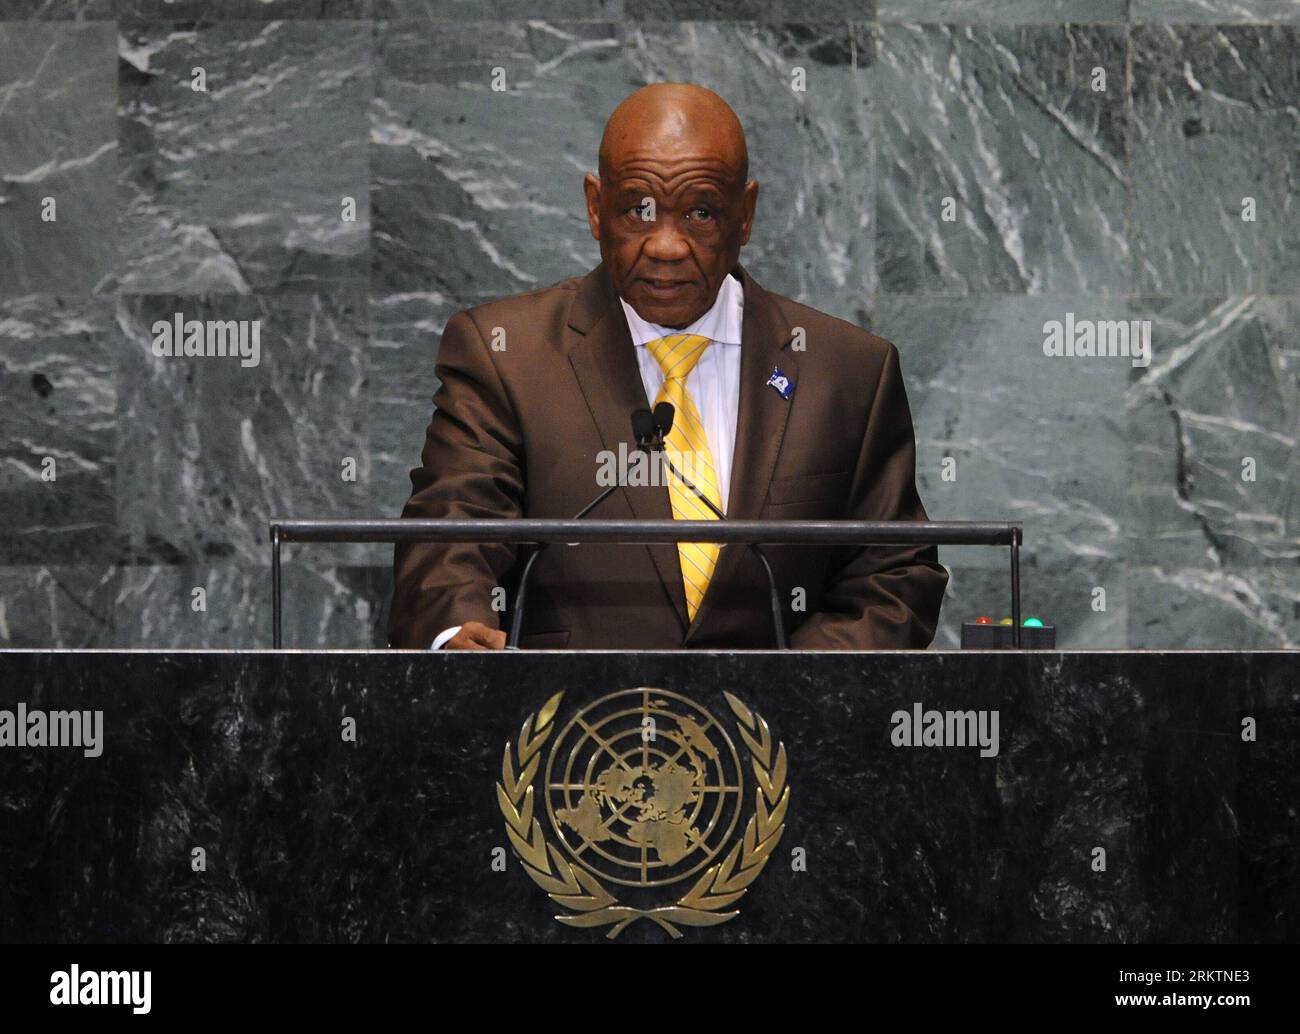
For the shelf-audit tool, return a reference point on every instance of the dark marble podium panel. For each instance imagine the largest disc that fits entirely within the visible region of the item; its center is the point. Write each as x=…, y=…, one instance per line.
x=391, y=837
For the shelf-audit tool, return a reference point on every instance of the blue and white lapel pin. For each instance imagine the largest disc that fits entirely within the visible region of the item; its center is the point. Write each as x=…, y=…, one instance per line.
x=782, y=384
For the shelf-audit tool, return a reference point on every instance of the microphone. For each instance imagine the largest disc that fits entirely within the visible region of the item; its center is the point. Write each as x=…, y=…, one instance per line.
x=656, y=426
x=663, y=419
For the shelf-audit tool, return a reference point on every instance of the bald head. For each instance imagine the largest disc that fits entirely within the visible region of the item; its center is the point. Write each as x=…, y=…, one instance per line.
x=673, y=204
x=675, y=116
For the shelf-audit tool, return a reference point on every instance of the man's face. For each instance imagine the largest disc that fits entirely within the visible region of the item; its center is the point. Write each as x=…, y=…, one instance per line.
x=669, y=267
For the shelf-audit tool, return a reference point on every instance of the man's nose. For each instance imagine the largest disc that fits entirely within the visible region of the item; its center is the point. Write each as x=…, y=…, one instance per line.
x=667, y=243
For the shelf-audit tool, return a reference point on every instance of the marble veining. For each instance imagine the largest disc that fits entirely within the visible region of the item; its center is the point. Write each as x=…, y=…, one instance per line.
x=951, y=175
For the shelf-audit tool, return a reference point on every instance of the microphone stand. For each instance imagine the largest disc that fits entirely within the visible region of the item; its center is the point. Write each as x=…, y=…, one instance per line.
x=517, y=618
x=655, y=443
x=650, y=440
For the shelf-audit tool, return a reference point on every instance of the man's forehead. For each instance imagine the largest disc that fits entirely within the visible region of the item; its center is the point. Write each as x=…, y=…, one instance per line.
x=674, y=172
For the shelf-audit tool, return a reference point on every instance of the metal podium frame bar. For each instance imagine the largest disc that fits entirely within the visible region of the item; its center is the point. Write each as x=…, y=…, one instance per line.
x=632, y=532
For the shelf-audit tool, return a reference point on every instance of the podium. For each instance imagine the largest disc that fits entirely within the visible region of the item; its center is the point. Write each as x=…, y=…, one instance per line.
x=372, y=796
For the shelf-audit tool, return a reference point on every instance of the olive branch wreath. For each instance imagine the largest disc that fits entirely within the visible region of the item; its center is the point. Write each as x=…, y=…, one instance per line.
x=573, y=887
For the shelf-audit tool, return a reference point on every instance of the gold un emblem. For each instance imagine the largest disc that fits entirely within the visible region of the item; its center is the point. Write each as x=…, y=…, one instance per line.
x=644, y=789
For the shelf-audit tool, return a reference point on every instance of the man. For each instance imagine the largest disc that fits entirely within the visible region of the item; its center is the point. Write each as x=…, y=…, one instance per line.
x=782, y=412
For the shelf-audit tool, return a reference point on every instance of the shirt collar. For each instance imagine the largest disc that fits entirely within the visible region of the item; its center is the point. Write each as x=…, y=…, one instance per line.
x=721, y=324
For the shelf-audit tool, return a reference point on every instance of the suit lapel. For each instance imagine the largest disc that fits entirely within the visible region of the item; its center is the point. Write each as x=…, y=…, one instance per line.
x=604, y=362
x=760, y=423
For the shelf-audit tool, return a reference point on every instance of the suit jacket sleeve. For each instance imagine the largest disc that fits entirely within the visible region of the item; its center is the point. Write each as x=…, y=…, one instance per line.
x=881, y=597
x=471, y=466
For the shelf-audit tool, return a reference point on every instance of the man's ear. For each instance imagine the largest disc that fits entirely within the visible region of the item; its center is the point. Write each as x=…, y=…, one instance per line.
x=591, y=188
x=749, y=204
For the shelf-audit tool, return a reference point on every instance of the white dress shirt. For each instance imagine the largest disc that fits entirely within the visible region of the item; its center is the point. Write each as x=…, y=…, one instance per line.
x=714, y=383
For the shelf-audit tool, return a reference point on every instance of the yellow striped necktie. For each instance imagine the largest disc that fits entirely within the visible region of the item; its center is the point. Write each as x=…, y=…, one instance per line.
x=688, y=448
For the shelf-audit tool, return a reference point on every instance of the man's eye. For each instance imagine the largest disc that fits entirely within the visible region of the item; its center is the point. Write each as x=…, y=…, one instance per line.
x=701, y=214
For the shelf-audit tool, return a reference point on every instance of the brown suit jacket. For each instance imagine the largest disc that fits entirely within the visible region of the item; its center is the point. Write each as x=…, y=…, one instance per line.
x=516, y=433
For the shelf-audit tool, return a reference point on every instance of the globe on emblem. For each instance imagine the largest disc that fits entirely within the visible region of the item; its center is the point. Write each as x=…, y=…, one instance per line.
x=644, y=787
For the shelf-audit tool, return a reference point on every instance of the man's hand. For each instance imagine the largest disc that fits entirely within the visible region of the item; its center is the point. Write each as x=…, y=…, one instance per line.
x=474, y=635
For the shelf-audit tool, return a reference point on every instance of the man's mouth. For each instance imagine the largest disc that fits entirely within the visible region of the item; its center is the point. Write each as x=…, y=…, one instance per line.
x=662, y=288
